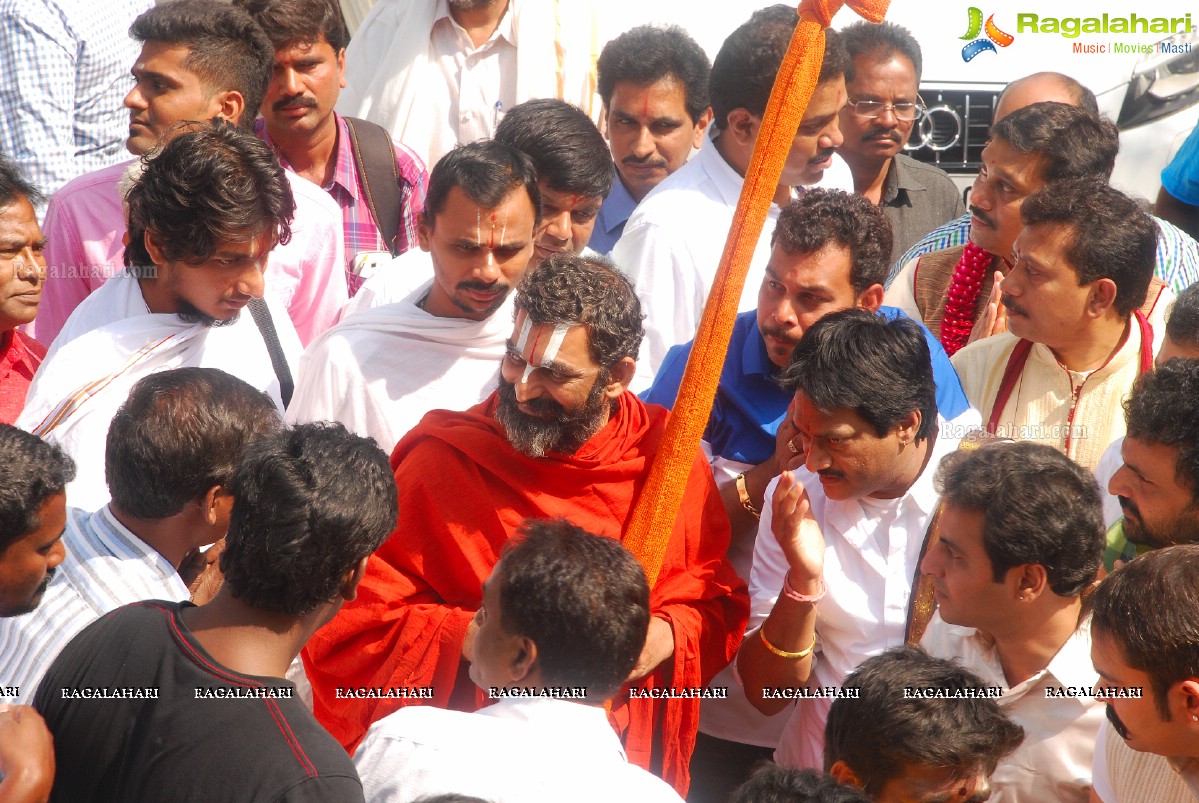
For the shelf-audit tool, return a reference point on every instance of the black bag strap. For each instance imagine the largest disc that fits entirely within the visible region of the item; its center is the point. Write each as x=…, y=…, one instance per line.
x=375, y=157
x=266, y=327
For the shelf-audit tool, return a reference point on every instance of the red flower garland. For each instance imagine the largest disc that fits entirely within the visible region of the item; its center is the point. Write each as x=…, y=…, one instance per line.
x=961, y=297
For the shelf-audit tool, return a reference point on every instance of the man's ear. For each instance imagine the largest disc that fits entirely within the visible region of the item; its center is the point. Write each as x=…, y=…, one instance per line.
x=909, y=426
x=424, y=230
x=349, y=583
x=524, y=659
x=701, y=126
x=843, y=775
x=1102, y=297
x=871, y=298
x=217, y=506
x=154, y=248
x=743, y=126
x=620, y=375
x=1028, y=581
x=1188, y=692
x=341, y=68
x=230, y=105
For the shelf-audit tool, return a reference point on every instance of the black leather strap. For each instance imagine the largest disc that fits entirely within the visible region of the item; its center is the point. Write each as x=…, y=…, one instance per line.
x=375, y=157
x=266, y=327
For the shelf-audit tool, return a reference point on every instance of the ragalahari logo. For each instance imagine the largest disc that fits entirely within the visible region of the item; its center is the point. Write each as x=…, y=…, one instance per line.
x=994, y=35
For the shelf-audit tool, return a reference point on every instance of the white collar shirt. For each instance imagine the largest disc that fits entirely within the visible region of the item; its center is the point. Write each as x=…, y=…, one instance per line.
x=534, y=750
x=672, y=243
x=872, y=548
x=1059, y=717
x=478, y=84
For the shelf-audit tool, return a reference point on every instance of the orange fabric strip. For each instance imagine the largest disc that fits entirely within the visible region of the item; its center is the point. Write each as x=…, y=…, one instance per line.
x=658, y=505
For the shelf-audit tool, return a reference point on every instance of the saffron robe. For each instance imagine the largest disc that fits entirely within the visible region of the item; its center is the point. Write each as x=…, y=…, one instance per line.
x=463, y=492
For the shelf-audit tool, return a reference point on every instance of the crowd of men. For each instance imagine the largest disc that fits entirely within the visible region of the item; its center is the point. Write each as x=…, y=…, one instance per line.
x=323, y=420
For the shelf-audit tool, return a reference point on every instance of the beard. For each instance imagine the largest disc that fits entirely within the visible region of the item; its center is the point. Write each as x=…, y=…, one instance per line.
x=34, y=600
x=552, y=429
x=1183, y=529
x=190, y=314
x=469, y=5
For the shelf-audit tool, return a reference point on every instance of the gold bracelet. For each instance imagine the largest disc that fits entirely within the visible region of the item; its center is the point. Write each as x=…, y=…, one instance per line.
x=784, y=653
x=743, y=495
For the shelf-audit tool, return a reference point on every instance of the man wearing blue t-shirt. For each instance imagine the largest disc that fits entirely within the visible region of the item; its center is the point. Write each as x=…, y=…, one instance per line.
x=829, y=252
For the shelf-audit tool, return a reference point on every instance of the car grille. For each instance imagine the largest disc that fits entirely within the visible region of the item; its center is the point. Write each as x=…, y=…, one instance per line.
x=954, y=129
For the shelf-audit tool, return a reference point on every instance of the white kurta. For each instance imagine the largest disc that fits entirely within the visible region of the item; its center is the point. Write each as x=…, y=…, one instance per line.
x=872, y=548
x=1054, y=760
x=1043, y=406
x=672, y=244
x=380, y=370
x=110, y=342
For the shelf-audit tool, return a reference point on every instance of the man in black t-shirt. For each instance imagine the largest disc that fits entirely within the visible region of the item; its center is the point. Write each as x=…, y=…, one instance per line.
x=163, y=701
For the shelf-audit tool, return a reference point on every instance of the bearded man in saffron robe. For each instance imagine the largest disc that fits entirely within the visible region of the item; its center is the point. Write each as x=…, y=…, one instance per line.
x=561, y=437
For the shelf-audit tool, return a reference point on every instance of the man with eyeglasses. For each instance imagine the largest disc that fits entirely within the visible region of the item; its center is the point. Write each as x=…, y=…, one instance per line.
x=882, y=82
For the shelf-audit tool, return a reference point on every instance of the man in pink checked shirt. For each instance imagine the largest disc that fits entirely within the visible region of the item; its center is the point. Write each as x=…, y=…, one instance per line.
x=200, y=59
x=370, y=178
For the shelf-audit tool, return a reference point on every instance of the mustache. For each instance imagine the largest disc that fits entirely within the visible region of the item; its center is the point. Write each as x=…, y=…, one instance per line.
x=1117, y=724
x=41, y=589
x=822, y=155
x=483, y=287
x=890, y=133
x=779, y=334
x=981, y=215
x=644, y=161
x=294, y=102
x=1012, y=306
x=1129, y=508
x=830, y=474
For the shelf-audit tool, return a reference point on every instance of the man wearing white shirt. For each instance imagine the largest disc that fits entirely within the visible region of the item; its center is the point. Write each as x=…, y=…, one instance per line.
x=1019, y=541
x=574, y=175
x=203, y=218
x=672, y=243
x=440, y=73
x=562, y=623
x=171, y=452
x=866, y=420
x=380, y=370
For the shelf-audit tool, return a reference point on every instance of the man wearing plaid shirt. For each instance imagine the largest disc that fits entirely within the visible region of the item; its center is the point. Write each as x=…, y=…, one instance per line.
x=313, y=141
x=66, y=68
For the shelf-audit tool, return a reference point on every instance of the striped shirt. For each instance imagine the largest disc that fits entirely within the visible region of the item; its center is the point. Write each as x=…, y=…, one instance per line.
x=358, y=225
x=1177, y=253
x=66, y=69
x=106, y=567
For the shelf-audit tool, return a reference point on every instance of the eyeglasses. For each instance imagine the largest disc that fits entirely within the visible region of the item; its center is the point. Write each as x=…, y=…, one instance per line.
x=870, y=109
